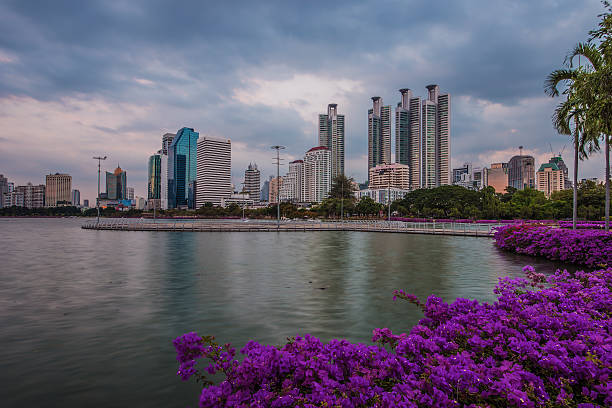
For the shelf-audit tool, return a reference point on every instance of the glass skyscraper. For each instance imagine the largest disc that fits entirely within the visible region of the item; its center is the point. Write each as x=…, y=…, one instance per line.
x=154, y=177
x=182, y=162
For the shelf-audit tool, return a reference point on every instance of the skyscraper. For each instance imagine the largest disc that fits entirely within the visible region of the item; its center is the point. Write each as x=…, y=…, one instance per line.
x=252, y=182
x=214, y=170
x=166, y=142
x=182, y=164
x=521, y=172
x=154, y=177
x=3, y=189
x=57, y=189
x=331, y=135
x=265, y=190
x=116, y=184
x=435, y=141
x=76, y=198
x=316, y=174
x=379, y=133
x=402, y=128
x=130, y=193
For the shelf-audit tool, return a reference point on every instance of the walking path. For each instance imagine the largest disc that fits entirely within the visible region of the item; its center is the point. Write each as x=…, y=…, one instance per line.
x=446, y=228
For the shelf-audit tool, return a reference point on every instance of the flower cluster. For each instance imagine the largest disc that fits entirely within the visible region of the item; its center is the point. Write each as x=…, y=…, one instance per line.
x=592, y=248
x=536, y=346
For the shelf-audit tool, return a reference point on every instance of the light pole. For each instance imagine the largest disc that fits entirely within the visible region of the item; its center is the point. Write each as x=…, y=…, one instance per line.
x=278, y=148
x=99, y=159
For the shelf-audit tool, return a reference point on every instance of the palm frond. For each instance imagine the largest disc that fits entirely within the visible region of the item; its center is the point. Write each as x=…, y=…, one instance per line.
x=555, y=78
x=588, y=51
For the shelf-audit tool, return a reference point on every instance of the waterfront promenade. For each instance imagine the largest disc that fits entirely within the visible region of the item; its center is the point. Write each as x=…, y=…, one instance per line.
x=443, y=228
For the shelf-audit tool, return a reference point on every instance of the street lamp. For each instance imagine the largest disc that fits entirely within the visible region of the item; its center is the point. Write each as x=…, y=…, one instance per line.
x=278, y=148
x=99, y=159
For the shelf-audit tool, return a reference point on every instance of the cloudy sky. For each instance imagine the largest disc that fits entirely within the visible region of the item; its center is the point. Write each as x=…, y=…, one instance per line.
x=79, y=79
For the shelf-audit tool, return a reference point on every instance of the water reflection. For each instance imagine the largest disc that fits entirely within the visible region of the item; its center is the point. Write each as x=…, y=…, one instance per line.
x=90, y=315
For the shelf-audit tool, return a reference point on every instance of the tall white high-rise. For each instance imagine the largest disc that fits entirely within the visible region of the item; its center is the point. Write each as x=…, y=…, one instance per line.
x=291, y=189
x=422, y=137
x=252, y=182
x=214, y=170
x=316, y=174
x=331, y=135
x=379, y=133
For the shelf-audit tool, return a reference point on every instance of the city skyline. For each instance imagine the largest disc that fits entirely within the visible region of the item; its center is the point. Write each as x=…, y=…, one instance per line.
x=79, y=104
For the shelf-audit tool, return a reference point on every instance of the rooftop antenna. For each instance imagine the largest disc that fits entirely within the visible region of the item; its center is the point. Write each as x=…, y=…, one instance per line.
x=551, y=149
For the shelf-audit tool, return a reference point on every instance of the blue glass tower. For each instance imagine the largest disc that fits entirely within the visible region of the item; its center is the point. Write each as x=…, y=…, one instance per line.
x=182, y=168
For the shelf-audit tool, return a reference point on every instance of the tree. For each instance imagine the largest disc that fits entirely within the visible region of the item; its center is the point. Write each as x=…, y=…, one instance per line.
x=342, y=187
x=574, y=108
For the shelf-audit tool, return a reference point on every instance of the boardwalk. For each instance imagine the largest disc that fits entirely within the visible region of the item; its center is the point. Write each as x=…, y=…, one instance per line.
x=447, y=228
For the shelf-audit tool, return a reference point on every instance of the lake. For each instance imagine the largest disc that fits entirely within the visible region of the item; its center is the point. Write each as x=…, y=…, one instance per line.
x=88, y=317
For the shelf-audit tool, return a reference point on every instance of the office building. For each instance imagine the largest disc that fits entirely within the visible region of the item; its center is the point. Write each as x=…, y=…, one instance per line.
x=3, y=188
x=76, y=198
x=182, y=164
x=214, y=170
x=58, y=189
x=497, y=177
x=13, y=198
x=408, y=135
x=462, y=175
x=558, y=160
x=316, y=174
x=154, y=177
x=480, y=178
x=265, y=190
x=550, y=179
x=379, y=133
x=252, y=182
x=166, y=142
x=380, y=194
x=291, y=189
x=86, y=203
x=397, y=175
x=331, y=135
x=276, y=184
x=33, y=196
x=130, y=193
x=242, y=200
x=521, y=172
x=116, y=184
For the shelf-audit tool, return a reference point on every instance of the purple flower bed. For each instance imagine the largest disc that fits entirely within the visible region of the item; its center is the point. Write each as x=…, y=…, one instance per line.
x=462, y=221
x=583, y=224
x=533, y=347
x=592, y=248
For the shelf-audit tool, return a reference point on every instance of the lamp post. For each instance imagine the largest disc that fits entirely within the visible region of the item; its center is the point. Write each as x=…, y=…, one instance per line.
x=99, y=159
x=278, y=148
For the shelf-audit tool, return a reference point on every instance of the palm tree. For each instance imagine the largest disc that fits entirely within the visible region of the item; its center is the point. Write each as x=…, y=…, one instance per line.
x=575, y=108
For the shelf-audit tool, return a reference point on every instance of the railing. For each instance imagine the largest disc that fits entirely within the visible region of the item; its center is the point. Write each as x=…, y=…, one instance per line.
x=434, y=228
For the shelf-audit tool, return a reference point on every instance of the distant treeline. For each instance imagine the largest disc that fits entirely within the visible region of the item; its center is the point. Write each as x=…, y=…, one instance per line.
x=442, y=202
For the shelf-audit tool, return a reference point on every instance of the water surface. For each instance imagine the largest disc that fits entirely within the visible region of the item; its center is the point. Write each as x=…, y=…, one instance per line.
x=88, y=317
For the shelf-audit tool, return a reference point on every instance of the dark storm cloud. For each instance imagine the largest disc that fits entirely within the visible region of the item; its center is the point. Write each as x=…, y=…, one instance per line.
x=183, y=60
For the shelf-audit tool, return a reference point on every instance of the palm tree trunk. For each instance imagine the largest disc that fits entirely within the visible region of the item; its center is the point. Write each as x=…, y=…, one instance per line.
x=607, y=182
x=575, y=204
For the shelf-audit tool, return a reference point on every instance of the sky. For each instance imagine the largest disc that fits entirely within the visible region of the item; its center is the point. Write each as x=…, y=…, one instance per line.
x=83, y=79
